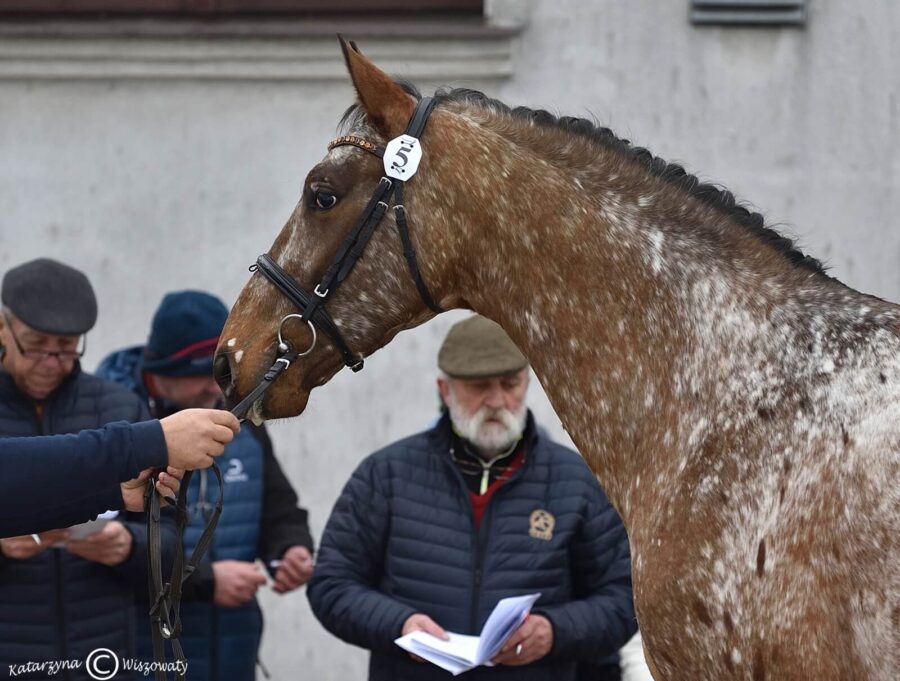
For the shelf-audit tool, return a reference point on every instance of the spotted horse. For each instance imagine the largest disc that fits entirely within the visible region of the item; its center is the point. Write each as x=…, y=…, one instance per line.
x=740, y=406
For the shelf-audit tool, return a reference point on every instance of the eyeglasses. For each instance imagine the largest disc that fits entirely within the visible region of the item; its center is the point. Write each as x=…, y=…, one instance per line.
x=61, y=355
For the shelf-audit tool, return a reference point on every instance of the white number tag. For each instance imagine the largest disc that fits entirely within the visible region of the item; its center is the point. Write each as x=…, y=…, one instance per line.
x=401, y=157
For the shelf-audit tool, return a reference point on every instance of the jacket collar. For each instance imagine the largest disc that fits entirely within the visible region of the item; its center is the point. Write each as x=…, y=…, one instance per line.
x=10, y=391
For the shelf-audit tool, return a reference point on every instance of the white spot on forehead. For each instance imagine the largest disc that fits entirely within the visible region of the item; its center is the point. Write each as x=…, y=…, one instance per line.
x=231, y=342
x=343, y=153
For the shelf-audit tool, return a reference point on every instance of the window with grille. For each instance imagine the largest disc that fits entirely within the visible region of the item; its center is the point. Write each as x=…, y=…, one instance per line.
x=749, y=12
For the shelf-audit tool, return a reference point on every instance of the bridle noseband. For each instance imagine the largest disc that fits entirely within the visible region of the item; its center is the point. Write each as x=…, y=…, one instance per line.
x=165, y=599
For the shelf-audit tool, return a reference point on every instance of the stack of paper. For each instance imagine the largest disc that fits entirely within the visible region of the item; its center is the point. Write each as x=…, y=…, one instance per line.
x=461, y=653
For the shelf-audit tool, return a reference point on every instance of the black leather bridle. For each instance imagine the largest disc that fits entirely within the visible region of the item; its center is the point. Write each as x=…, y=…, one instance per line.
x=312, y=305
x=165, y=598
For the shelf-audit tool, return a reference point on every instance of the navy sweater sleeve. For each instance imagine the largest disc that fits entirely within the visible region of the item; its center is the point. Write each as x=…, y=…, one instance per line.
x=343, y=591
x=60, y=480
x=602, y=620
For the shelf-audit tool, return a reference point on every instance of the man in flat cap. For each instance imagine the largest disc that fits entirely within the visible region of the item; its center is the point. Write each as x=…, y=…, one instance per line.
x=432, y=531
x=75, y=594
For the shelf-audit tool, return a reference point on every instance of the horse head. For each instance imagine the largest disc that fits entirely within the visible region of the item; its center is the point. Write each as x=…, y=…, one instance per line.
x=373, y=269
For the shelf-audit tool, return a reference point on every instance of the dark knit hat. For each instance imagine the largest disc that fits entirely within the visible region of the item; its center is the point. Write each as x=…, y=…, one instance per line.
x=50, y=297
x=184, y=334
x=478, y=348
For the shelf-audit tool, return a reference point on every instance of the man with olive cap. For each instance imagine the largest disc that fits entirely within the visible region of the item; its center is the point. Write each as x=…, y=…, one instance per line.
x=74, y=594
x=432, y=531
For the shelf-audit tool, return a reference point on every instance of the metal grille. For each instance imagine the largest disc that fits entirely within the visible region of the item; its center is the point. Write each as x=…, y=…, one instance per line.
x=749, y=12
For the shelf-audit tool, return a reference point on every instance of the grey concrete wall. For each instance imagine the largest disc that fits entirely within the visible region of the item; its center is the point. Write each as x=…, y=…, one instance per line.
x=157, y=182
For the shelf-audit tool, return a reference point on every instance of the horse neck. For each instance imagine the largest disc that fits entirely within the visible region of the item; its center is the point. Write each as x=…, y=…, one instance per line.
x=620, y=293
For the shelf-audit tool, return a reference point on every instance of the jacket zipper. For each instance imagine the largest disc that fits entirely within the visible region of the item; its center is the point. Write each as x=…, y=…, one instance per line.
x=480, y=539
x=480, y=535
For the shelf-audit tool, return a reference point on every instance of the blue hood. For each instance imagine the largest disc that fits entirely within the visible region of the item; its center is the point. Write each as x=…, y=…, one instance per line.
x=125, y=367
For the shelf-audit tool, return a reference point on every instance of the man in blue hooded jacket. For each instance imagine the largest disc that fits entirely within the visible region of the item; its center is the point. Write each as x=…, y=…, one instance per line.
x=261, y=517
x=432, y=531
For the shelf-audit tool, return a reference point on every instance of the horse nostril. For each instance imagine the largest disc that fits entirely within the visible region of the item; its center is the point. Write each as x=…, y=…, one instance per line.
x=222, y=374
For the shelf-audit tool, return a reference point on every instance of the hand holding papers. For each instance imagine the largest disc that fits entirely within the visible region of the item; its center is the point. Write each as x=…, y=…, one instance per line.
x=86, y=529
x=461, y=653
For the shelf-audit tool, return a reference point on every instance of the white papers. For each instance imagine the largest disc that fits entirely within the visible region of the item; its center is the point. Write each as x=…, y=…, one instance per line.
x=86, y=529
x=461, y=652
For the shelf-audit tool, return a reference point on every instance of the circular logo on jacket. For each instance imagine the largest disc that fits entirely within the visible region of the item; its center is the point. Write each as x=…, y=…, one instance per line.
x=541, y=524
x=235, y=471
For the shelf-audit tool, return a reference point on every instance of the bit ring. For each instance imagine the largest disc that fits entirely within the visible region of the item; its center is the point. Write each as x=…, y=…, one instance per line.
x=283, y=346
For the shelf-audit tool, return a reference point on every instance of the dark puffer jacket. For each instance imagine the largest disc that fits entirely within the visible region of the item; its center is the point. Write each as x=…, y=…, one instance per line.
x=57, y=606
x=401, y=540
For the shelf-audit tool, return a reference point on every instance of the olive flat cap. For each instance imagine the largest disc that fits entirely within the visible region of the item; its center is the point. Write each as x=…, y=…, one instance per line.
x=477, y=348
x=50, y=297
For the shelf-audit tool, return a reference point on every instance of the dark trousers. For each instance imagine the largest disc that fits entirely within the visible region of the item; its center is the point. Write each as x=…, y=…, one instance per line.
x=599, y=672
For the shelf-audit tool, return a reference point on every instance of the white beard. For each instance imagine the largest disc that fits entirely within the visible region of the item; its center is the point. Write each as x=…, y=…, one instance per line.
x=489, y=437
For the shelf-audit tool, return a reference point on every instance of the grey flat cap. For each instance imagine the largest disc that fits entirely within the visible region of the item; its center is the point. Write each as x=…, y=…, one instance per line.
x=50, y=297
x=477, y=348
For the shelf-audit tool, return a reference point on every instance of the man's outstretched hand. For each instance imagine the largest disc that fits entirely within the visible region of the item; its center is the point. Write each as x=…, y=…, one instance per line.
x=195, y=436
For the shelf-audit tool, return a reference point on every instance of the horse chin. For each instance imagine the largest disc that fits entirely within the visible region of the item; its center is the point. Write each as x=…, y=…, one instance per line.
x=280, y=404
x=255, y=415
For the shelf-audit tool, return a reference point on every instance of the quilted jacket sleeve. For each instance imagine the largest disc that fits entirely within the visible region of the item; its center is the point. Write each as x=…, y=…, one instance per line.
x=58, y=480
x=344, y=591
x=602, y=620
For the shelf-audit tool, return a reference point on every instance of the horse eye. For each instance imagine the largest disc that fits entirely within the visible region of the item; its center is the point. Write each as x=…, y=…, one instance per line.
x=324, y=200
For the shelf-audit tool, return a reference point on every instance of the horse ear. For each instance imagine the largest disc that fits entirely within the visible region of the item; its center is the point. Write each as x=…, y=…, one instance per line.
x=385, y=103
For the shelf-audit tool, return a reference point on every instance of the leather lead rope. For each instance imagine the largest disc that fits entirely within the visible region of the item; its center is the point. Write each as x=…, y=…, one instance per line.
x=165, y=598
